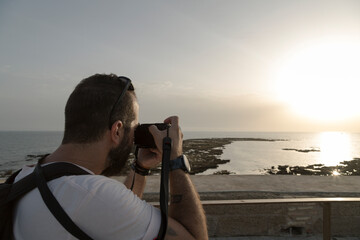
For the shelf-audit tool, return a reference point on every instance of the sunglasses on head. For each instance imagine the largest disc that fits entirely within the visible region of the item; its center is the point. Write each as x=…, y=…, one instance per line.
x=128, y=86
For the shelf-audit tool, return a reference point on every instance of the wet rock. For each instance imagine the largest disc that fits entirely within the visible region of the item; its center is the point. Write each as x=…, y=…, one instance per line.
x=32, y=157
x=302, y=150
x=346, y=168
x=5, y=173
x=223, y=172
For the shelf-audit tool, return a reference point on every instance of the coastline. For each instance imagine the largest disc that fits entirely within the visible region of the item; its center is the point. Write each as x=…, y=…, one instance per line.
x=207, y=153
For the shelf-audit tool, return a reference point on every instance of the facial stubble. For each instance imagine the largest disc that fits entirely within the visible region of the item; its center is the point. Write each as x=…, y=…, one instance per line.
x=118, y=156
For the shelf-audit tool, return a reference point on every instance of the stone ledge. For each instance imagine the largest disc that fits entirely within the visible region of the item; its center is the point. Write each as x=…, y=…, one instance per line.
x=266, y=183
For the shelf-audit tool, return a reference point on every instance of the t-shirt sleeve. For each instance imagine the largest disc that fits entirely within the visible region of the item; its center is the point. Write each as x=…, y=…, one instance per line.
x=111, y=211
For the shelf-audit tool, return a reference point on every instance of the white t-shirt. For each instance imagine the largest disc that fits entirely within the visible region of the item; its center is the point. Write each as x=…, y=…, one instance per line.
x=102, y=207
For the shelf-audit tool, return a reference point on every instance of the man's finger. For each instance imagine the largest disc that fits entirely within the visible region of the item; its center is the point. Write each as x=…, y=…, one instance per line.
x=154, y=151
x=154, y=131
x=173, y=120
x=157, y=135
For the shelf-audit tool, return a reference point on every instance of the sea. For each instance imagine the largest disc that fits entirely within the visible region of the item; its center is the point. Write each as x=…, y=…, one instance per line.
x=246, y=157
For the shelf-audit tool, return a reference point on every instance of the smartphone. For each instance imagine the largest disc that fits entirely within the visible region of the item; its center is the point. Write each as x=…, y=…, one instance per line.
x=143, y=138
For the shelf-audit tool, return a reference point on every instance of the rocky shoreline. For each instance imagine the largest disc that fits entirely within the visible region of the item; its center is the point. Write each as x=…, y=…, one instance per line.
x=203, y=153
x=346, y=168
x=206, y=154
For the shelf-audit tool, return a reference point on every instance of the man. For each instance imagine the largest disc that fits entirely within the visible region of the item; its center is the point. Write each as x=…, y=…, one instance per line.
x=100, y=118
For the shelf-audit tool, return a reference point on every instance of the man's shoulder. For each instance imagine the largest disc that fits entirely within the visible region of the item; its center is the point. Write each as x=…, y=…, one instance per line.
x=98, y=188
x=93, y=183
x=83, y=183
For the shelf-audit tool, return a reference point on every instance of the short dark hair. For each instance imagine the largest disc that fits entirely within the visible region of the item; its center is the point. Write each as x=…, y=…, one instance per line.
x=88, y=108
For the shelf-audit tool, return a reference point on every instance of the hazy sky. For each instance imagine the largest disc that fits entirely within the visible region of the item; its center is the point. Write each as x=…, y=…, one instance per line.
x=220, y=65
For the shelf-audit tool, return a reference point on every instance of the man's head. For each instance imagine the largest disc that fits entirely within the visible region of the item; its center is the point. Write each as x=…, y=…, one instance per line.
x=93, y=107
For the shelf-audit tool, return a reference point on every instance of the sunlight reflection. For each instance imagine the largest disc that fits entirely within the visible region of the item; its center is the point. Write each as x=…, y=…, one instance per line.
x=335, y=147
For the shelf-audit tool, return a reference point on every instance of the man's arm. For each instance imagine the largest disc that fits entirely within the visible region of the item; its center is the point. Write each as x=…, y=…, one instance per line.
x=185, y=208
x=186, y=215
x=139, y=183
x=147, y=159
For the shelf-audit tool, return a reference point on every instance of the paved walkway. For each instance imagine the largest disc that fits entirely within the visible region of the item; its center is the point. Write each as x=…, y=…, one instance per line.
x=284, y=238
x=266, y=183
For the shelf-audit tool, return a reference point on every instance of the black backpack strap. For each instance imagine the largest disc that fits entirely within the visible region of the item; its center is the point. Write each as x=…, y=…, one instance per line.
x=51, y=171
x=54, y=206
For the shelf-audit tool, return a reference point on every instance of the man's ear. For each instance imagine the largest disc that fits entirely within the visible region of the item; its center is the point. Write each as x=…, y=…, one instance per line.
x=116, y=132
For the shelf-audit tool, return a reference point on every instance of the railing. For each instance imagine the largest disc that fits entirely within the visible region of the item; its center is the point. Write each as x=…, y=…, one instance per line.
x=325, y=203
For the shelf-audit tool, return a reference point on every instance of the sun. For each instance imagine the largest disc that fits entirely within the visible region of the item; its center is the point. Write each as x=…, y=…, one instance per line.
x=321, y=80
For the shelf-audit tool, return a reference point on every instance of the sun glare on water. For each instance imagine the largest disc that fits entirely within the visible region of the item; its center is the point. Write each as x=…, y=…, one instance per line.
x=335, y=147
x=321, y=81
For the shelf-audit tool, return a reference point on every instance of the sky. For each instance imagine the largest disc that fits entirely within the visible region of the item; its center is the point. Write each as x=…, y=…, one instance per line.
x=244, y=65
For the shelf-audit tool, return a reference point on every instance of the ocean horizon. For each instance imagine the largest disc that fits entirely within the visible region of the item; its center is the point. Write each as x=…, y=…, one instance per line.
x=246, y=157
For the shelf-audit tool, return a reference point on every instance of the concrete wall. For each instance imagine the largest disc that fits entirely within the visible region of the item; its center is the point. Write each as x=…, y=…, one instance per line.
x=288, y=219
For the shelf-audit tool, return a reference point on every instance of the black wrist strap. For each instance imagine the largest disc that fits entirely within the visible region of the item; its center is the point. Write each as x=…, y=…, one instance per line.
x=139, y=170
x=54, y=206
x=164, y=187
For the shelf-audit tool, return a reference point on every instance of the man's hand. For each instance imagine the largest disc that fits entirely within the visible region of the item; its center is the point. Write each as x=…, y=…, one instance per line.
x=174, y=133
x=186, y=216
x=149, y=158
